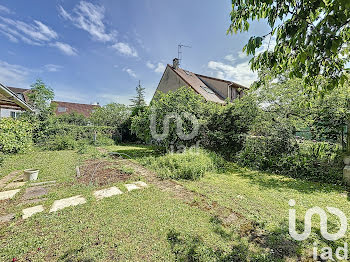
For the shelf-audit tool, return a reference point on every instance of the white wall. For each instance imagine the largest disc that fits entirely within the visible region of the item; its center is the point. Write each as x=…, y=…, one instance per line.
x=4, y=112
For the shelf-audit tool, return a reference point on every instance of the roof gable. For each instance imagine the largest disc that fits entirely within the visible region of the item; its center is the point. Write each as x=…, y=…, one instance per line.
x=84, y=109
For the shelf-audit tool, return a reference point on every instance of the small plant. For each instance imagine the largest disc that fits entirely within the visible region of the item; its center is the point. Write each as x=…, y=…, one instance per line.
x=191, y=164
x=127, y=170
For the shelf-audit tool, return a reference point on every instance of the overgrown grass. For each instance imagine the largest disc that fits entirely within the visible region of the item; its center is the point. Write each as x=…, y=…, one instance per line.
x=190, y=164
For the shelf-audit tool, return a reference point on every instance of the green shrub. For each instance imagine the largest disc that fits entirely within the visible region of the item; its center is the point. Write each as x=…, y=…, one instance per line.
x=102, y=140
x=191, y=164
x=62, y=142
x=15, y=135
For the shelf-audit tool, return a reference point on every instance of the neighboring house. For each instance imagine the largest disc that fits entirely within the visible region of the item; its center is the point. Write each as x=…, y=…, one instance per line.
x=13, y=101
x=212, y=89
x=67, y=108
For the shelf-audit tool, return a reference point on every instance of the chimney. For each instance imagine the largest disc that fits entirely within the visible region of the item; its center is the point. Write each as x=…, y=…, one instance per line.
x=176, y=63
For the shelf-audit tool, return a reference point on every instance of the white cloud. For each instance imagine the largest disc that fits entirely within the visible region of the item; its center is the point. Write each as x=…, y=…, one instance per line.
x=160, y=68
x=36, y=33
x=242, y=55
x=65, y=48
x=4, y=9
x=125, y=49
x=230, y=58
x=53, y=67
x=150, y=65
x=13, y=75
x=240, y=73
x=130, y=72
x=89, y=17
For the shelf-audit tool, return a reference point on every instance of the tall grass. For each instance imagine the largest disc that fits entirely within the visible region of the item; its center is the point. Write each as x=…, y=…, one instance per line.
x=190, y=164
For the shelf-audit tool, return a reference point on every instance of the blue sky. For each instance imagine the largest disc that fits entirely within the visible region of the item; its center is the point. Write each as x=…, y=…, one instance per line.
x=96, y=51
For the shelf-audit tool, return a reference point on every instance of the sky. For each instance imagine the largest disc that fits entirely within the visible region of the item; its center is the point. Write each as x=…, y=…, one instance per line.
x=97, y=51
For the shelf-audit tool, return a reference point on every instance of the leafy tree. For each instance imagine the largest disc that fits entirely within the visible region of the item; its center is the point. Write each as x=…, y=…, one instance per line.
x=311, y=37
x=177, y=103
x=40, y=96
x=139, y=100
x=73, y=118
x=110, y=115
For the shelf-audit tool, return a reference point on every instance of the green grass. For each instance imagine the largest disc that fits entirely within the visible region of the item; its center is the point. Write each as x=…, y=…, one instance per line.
x=140, y=225
x=129, y=227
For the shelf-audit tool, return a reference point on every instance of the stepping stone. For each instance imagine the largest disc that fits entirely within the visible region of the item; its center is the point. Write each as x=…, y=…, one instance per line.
x=141, y=184
x=108, y=192
x=43, y=183
x=7, y=218
x=67, y=202
x=8, y=194
x=131, y=187
x=35, y=192
x=28, y=212
x=8, y=178
x=15, y=184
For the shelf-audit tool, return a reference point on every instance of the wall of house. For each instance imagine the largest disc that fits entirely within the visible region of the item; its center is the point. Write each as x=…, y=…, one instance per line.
x=170, y=81
x=5, y=112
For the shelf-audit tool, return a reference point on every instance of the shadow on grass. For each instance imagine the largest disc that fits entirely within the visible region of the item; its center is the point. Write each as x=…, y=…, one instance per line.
x=138, y=151
x=280, y=182
x=258, y=245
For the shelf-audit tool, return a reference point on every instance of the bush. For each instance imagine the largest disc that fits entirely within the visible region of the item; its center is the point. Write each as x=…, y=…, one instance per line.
x=15, y=135
x=103, y=141
x=62, y=142
x=191, y=164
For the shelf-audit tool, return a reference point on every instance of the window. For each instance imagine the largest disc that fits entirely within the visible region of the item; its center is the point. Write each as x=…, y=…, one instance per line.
x=61, y=109
x=234, y=93
x=187, y=73
x=13, y=114
x=207, y=89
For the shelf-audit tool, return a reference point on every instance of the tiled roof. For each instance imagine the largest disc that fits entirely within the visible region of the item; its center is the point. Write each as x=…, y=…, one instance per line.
x=22, y=91
x=193, y=81
x=9, y=99
x=84, y=109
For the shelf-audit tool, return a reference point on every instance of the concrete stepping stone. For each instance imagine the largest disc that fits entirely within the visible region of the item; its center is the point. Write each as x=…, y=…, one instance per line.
x=35, y=192
x=67, y=202
x=8, y=178
x=140, y=184
x=8, y=194
x=131, y=187
x=107, y=192
x=7, y=218
x=15, y=185
x=28, y=212
x=43, y=183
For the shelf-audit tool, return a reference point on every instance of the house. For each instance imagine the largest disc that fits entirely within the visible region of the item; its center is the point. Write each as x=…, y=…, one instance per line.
x=13, y=101
x=67, y=108
x=211, y=88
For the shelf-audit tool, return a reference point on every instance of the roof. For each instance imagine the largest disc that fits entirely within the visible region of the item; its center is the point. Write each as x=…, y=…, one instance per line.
x=23, y=91
x=193, y=81
x=84, y=109
x=9, y=99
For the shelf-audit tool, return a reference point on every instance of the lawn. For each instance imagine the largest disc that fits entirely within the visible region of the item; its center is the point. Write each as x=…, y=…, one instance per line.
x=143, y=225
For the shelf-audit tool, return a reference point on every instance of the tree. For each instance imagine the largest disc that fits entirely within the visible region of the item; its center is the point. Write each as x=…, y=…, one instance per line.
x=139, y=100
x=40, y=96
x=110, y=115
x=311, y=37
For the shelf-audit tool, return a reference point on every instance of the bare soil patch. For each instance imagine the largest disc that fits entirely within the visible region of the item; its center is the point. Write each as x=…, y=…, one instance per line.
x=102, y=172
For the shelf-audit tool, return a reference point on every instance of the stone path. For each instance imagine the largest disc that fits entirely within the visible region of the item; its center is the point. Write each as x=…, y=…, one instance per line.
x=61, y=203
x=28, y=212
x=108, y=192
x=8, y=178
x=67, y=202
x=8, y=194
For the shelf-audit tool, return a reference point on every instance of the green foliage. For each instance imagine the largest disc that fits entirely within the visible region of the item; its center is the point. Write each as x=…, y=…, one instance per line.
x=311, y=39
x=190, y=164
x=61, y=142
x=15, y=135
x=103, y=140
x=113, y=115
x=73, y=119
x=180, y=101
x=227, y=125
x=40, y=96
x=139, y=100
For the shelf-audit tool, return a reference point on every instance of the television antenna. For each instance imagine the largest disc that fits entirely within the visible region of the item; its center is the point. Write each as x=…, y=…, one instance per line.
x=179, y=51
